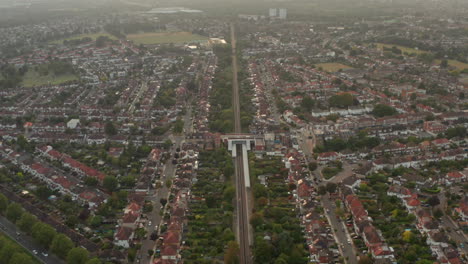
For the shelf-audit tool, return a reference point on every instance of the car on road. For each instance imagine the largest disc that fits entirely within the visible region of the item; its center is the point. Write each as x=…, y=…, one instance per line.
x=34, y=251
x=45, y=254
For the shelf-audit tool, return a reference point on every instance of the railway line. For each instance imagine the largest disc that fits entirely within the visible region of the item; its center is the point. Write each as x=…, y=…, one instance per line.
x=245, y=256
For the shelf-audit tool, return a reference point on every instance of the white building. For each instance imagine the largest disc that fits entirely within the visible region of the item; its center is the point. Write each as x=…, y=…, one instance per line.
x=272, y=12
x=283, y=13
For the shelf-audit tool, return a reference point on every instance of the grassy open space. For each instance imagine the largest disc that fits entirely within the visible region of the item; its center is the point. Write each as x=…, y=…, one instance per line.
x=33, y=78
x=457, y=64
x=460, y=66
x=165, y=37
x=92, y=36
x=404, y=49
x=18, y=247
x=332, y=67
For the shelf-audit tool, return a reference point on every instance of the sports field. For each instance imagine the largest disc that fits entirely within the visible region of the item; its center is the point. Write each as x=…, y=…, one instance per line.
x=404, y=49
x=457, y=64
x=332, y=67
x=165, y=37
x=33, y=78
x=91, y=36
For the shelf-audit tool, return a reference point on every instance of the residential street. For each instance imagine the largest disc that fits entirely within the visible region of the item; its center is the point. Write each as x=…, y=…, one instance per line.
x=339, y=230
x=341, y=236
x=26, y=242
x=155, y=217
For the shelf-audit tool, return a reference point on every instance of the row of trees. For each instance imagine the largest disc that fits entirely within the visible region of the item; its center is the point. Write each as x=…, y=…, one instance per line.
x=277, y=231
x=43, y=234
x=221, y=115
x=353, y=143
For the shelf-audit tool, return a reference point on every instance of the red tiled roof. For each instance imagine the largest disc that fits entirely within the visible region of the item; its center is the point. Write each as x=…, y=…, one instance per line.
x=124, y=233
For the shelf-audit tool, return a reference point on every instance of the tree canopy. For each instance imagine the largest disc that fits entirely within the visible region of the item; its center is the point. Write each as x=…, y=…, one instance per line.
x=382, y=110
x=343, y=100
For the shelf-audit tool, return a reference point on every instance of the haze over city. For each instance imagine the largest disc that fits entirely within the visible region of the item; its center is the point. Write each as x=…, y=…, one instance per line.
x=237, y=132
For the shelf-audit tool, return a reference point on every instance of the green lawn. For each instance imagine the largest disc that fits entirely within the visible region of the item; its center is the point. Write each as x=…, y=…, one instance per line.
x=460, y=66
x=33, y=78
x=92, y=36
x=404, y=49
x=19, y=248
x=165, y=37
x=332, y=67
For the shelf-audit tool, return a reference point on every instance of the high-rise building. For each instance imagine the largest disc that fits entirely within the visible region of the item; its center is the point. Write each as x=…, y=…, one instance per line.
x=272, y=12
x=283, y=13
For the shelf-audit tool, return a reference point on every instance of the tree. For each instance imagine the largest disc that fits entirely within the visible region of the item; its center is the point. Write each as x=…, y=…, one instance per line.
x=128, y=181
x=168, y=183
x=110, y=183
x=91, y=181
x=95, y=221
x=438, y=213
x=231, y=256
x=21, y=258
x=433, y=201
x=147, y=207
x=365, y=260
x=382, y=110
x=14, y=212
x=264, y=251
x=150, y=252
x=307, y=103
x=256, y=220
x=331, y=187
x=43, y=192
x=343, y=100
x=211, y=201
x=313, y=166
x=110, y=129
x=322, y=190
x=229, y=193
x=444, y=64
x=77, y=255
x=407, y=236
x=7, y=251
x=3, y=203
x=43, y=234
x=163, y=201
x=167, y=144
x=61, y=245
x=26, y=222
x=94, y=261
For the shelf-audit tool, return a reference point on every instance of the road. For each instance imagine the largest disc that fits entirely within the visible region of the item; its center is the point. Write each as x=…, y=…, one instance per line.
x=143, y=88
x=245, y=256
x=26, y=242
x=163, y=192
x=339, y=231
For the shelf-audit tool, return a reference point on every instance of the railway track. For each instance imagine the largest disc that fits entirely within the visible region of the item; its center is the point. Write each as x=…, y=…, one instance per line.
x=245, y=256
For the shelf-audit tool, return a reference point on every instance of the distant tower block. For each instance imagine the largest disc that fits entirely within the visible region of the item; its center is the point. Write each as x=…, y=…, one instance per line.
x=283, y=13
x=273, y=12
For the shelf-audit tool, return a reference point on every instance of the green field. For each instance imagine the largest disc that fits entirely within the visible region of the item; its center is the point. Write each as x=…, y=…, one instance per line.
x=332, y=67
x=457, y=64
x=19, y=248
x=165, y=37
x=33, y=78
x=404, y=49
x=92, y=36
